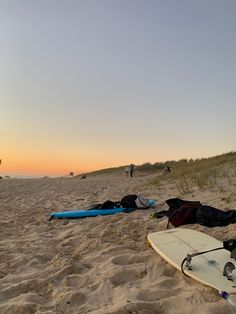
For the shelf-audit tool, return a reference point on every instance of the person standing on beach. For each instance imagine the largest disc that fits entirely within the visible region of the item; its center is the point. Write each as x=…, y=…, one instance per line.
x=168, y=169
x=127, y=171
x=131, y=170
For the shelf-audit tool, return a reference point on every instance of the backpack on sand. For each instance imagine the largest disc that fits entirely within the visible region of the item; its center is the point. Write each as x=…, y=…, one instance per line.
x=134, y=201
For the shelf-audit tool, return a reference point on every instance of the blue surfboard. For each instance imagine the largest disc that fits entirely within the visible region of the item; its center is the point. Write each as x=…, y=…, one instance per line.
x=93, y=212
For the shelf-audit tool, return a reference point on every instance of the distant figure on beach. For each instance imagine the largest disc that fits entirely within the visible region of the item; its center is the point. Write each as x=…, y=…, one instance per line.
x=83, y=176
x=168, y=169
x=131, y=170
x=127, y=170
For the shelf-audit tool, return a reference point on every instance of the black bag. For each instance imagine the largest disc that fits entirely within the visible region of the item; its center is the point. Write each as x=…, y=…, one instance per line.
x=128, y=201
x=134, y=201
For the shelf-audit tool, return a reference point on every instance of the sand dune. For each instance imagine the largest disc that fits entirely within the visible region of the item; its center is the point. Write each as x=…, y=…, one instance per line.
x=93, y=265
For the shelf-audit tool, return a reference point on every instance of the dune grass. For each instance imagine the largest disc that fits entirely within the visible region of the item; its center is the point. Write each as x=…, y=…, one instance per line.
x=200, y=173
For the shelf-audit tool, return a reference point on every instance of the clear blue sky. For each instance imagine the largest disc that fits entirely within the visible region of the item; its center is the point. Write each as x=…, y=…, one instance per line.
x=93, y=84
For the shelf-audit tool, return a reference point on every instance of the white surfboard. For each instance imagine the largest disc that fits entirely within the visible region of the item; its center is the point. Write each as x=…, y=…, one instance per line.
x=173, y=245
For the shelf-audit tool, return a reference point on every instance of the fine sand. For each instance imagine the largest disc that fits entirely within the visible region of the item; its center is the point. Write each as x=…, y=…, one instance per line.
x=94, y=265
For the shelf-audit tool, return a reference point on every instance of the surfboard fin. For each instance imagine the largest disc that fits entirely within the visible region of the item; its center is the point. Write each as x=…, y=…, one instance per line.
x=187, y=260
x=228, y=270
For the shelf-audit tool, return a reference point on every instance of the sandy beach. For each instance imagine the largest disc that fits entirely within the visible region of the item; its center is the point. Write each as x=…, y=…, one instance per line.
x=94, y=265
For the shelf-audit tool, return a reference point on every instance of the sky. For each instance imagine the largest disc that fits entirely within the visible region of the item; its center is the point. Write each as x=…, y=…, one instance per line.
x=93, y=84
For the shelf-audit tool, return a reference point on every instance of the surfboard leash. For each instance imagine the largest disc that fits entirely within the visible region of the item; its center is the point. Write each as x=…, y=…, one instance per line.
x=188, y=259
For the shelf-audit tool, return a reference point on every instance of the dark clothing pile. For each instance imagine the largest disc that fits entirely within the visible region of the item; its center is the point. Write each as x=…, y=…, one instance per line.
x=213, y=217
x=131, y=201
x=182, y=212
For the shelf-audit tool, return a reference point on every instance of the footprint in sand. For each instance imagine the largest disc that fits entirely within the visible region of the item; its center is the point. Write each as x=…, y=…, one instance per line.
x=125, y=276
x=127, y=259
x=121, y=260
x=168, y=283
x=84, y=267
x=63, y=272
x=196, y=299
x=19, y=307
x=69, y=299
x=24, y=287
x=142, y=307
x=156, y=295
x=200, y=297
x=169, y=271
x=79, y=282
x=76, y=281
